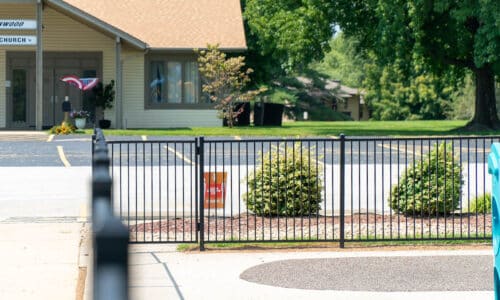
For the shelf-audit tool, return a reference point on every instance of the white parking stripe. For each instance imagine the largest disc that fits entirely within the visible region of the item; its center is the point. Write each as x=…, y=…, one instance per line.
x=179, y=155
x=83, y=213
x=63, y=157
x=400, y=149
x=50, y=138
x=144, y=138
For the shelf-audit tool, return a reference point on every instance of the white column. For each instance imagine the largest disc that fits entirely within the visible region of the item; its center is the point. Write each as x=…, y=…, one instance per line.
x=39, y=66
x=118, y=84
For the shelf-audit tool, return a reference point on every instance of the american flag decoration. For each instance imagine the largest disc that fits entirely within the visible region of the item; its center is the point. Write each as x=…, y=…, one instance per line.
x=83, y=84
x=73, y=80
x=89, y=83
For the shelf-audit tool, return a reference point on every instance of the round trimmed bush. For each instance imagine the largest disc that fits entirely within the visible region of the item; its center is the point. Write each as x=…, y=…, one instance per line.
x=481, y=204
x=422, y=190
x=285, y=183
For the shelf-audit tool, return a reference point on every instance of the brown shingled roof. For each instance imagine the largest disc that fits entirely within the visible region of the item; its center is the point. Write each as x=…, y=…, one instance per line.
x=172, y=24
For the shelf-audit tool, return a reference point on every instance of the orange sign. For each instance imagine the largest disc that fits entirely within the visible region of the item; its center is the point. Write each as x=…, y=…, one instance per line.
x=215, y=189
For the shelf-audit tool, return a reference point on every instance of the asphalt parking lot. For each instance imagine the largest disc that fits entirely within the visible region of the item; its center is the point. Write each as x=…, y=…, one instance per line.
x=40, y=149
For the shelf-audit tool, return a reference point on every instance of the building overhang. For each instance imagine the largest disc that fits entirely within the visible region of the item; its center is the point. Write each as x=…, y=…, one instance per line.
x=94, y=22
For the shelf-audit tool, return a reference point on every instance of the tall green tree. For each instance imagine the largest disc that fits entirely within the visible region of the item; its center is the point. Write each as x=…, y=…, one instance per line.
x=286, y=35
x=394, y=91
x=393, y=94
x=448, y=35
x=343, y=61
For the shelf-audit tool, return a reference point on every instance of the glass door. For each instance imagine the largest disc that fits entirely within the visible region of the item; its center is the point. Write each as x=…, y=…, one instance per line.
x=19, y=96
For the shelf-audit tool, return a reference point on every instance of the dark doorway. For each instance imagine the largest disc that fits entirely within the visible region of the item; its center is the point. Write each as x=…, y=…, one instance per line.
x=21, y=93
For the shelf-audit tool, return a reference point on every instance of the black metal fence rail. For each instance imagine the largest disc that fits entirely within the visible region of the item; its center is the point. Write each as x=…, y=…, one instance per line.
x=347, y=189
x=109, y=236
x=147, y=173
x=448, y=171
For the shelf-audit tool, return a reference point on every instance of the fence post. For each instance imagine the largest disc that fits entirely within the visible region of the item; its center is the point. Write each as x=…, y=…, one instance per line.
x=109, y=235
x=102, y=182
x=111, y=260
x=201, y=190
x=93, y=144
x=342, y=190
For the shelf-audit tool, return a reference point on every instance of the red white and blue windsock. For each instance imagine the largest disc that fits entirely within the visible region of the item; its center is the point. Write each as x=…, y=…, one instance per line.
x=89, y=83
x=83, y=84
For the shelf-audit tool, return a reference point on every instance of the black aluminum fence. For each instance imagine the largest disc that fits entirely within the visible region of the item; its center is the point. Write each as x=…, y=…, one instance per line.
x=347, y=189
x=109, y=236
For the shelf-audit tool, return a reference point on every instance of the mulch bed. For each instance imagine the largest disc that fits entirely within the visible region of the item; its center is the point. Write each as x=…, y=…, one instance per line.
x=359, y=226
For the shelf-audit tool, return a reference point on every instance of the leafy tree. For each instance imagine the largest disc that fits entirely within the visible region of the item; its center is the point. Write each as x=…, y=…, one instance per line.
x=343, y=61
x=416, y=93
x=461, y=108
x=448, y=35
x=394, y=91
x=286, y=35
x=224, y=80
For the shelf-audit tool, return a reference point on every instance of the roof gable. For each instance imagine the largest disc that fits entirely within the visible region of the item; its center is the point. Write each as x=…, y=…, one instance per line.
x=172, y=24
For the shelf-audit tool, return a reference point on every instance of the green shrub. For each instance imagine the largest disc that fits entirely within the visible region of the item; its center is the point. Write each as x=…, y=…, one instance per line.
x=481, y=204
x=422, y=189
x=326, y=114
x=278, y=95
x=285, y=183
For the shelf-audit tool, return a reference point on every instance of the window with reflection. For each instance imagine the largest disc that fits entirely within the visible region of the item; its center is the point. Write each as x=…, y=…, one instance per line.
x=173, y=82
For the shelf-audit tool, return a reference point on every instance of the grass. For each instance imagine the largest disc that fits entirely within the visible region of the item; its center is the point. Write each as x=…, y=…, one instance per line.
x=348, y=244
x=309, y=129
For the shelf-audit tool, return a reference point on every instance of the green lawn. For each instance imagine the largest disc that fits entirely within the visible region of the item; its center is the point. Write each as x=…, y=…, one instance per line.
x=296, y=129
x=348, y=244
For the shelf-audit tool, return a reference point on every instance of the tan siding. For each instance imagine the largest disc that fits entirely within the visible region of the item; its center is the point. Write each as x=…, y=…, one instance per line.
x=65, y=34
x=18, y=11
x=134, y=114
x=3, y=94
x=61, y=33
x=352, y=107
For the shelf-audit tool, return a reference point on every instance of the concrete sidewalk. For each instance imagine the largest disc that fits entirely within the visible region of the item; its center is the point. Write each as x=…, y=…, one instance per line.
x=159, y=272
x=39, y=260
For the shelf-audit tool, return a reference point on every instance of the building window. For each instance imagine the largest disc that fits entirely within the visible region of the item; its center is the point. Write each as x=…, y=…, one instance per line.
x=157, y=82
x=191, y=82
x=173, y=82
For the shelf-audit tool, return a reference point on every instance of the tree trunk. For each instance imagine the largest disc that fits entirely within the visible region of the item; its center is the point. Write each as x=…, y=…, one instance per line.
x=485, y=110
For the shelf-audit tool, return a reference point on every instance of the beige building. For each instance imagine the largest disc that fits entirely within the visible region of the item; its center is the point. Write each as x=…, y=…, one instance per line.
x=350, y=101
x=147, y=47
x=339, y=97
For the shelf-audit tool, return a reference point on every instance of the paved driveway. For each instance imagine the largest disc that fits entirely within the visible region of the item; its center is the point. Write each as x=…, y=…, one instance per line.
x=158, y=272
x=43, y=177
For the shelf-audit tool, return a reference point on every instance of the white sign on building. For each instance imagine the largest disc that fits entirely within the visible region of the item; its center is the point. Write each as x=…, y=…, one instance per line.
x=17, y=40
x=17, y=24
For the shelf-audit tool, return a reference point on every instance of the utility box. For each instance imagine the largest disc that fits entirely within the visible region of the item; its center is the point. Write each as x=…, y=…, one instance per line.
x=493, y=169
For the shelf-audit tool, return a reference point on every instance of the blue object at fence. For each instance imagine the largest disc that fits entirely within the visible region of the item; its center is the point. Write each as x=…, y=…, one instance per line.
x=493, y=169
